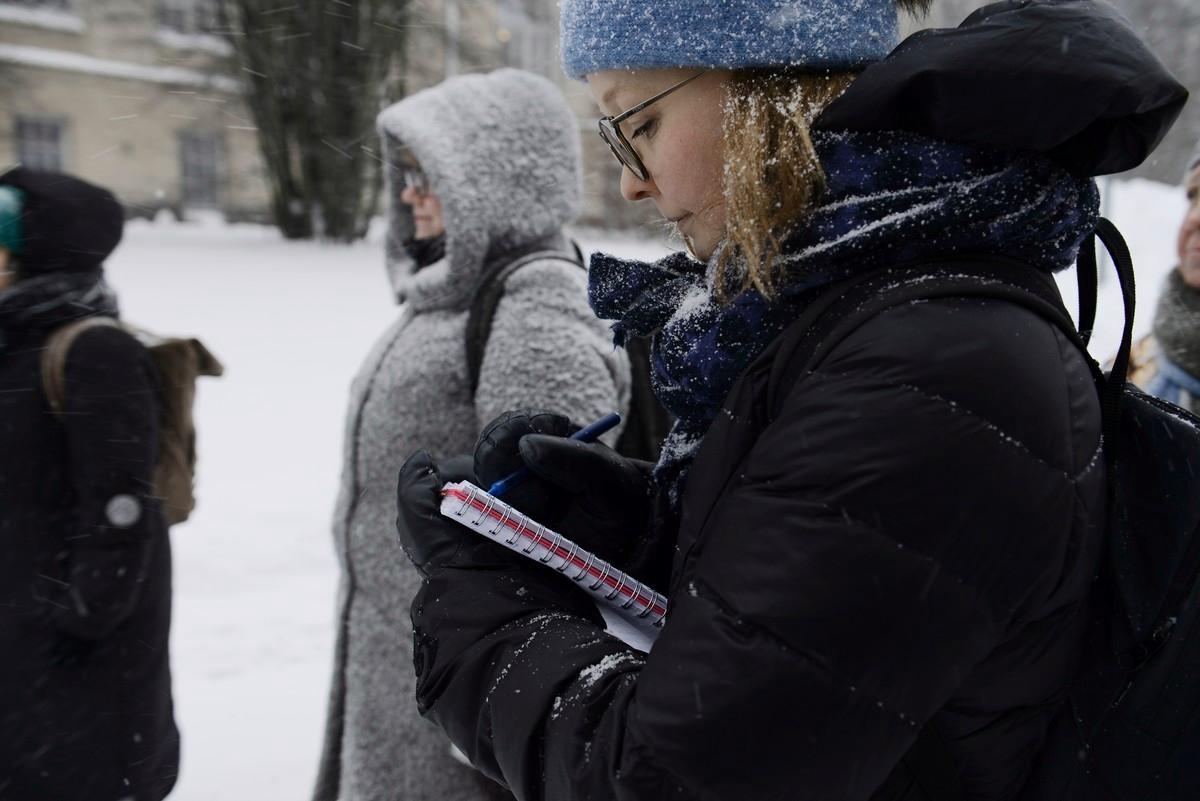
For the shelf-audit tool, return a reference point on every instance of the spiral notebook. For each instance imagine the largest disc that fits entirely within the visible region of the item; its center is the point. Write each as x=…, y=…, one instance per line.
x=633, y=611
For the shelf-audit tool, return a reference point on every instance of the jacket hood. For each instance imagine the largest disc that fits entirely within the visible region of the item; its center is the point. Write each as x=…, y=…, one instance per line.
x=1065, y=78
x=67, y=225
x=501, y=152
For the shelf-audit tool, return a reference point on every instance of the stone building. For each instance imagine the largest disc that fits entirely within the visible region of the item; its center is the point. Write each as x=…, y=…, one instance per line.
x=454, y=36
x=143, y=96
x=138, y=95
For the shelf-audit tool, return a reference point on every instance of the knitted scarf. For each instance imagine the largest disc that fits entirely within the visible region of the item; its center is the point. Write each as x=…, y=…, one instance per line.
x=891, y=198
x=1177, y=329
x=48, y=301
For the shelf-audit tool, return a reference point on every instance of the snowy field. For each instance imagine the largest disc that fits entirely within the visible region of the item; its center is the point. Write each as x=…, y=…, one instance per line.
x=255, y=571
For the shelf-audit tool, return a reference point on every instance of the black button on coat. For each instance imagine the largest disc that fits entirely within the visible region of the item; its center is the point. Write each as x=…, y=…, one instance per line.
x=85, y=697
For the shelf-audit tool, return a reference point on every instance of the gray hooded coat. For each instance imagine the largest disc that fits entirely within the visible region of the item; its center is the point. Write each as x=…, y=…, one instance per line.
x=502, y=155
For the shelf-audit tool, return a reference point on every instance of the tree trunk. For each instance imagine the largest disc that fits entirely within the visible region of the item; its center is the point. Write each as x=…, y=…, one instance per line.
x=316, y=74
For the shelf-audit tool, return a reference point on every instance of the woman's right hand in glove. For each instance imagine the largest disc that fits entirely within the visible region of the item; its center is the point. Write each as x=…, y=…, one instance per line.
x=585, y=491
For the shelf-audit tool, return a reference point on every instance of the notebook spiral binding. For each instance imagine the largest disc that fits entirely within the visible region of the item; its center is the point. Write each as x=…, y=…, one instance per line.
x=485, y=514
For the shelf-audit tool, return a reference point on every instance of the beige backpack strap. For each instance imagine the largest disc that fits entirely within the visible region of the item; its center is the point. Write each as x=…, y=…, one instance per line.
x=54, y=357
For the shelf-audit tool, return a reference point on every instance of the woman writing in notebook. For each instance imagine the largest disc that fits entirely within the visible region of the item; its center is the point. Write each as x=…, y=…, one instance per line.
x=871, y=556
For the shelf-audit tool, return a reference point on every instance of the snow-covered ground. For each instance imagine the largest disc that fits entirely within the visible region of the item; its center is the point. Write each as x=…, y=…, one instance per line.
x=254, y=567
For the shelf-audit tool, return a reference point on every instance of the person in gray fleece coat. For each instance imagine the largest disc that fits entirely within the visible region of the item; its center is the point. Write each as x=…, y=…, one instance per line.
x=501, y=154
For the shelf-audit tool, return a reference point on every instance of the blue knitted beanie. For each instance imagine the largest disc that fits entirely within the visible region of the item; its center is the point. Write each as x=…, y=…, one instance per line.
x=808, y=34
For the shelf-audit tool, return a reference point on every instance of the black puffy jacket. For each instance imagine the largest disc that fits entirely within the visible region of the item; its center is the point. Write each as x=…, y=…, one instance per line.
x=908, y=543
x=905, y=547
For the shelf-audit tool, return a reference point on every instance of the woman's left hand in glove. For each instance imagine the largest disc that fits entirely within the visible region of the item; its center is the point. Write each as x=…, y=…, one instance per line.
x=429, y=539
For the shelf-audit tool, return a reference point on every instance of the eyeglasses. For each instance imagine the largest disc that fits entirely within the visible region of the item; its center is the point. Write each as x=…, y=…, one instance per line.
x=415, y=179
x=610, y=131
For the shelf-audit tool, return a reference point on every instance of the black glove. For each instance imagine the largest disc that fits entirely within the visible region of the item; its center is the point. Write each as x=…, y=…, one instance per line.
x=104, y=584
x=429, y=539
x=583, y=490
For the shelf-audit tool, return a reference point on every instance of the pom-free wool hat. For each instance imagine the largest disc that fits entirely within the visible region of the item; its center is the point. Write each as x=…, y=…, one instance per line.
x=807, y=34
x=67, y=224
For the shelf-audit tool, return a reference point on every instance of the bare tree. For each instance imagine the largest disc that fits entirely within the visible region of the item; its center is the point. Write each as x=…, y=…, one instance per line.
x=315, y=74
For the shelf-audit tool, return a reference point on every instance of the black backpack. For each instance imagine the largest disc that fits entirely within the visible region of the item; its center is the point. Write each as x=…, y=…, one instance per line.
x=646, y=424
x=1128, y=728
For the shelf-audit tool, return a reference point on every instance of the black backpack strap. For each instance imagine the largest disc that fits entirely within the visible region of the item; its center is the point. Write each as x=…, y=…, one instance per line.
x=487, y=297
x=1114, y=386
x=843, y=308
x=1088, y=279
x=840, y=310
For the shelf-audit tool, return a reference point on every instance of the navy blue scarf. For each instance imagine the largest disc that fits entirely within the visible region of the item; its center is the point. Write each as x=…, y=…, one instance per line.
x=890, y=198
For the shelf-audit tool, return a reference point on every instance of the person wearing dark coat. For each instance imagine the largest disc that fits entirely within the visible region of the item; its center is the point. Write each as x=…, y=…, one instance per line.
x=887, y=558
x=85, y=582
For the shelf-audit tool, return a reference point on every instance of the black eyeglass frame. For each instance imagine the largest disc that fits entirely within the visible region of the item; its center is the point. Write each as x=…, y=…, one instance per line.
x=610, y=130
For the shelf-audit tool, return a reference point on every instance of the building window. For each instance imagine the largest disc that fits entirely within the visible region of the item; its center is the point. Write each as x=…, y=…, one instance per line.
x=54, y=15
x=40, y=143
x=201, y=160
x=528, y=38
x=191, y=16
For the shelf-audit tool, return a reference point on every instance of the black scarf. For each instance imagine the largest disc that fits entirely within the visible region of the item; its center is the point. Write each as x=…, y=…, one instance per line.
x=427, y=251
x=46, y=302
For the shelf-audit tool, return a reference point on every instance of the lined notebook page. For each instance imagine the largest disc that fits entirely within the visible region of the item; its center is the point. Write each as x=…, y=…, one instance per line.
x=633, y=611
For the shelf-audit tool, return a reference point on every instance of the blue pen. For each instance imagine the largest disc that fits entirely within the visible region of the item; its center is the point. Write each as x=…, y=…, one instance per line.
x=589, y=433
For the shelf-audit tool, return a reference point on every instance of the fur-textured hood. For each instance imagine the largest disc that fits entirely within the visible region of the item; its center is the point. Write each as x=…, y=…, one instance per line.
x=471, y=135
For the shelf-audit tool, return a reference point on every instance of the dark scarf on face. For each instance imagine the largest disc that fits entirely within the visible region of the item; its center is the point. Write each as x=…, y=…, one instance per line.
x=427, y=251
x=890, y=198
x=45, y=302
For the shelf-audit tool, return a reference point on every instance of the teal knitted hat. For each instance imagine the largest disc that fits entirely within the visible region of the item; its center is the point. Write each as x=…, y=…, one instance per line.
x=11, y=210
x=805, y=34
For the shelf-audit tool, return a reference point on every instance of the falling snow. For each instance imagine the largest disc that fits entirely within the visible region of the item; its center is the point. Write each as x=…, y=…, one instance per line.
x=255, y=569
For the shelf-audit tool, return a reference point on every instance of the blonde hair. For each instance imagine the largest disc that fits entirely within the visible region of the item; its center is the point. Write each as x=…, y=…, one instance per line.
x=773, y=177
